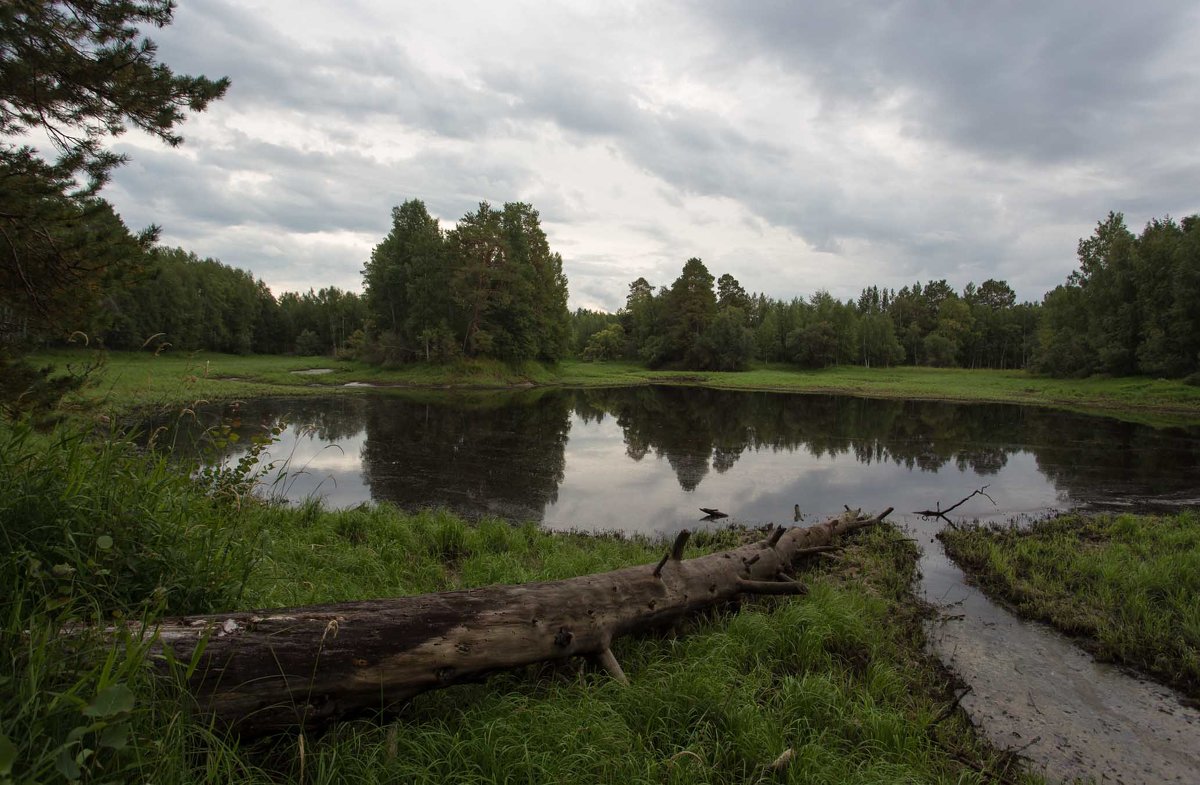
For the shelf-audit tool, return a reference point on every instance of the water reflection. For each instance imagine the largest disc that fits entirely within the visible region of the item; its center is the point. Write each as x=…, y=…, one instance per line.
x=646, y=458
x=497, y=455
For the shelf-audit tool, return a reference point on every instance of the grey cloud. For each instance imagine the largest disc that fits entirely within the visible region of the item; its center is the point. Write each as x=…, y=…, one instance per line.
x=351, y=79
x=577, y=100
x=307, y=190
x=1045, y=82
x=1036, y=96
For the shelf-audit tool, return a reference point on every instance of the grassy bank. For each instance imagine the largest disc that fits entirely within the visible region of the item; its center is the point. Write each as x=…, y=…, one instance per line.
x=97, y=531
x=135, y=380
x=1128, y=585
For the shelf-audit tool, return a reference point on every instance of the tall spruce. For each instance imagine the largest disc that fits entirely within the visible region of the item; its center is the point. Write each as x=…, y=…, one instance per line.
x=406, y=281
x=691, y=308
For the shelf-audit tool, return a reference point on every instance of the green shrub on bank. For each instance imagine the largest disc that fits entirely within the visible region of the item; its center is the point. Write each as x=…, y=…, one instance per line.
x=98, y=528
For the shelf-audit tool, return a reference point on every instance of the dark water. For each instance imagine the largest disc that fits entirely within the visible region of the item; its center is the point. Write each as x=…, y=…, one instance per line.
x=645, y=459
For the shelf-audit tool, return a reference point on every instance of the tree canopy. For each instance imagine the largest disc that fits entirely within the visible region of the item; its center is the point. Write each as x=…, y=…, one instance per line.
x=75, y=73
x=488, y=287
x=82, y=71
x=1132, y=306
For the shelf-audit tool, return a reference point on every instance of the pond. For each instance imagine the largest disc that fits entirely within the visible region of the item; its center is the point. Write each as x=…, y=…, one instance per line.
x=646, y=459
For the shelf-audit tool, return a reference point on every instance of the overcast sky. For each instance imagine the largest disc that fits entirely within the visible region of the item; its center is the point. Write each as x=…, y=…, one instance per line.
x=798, y=146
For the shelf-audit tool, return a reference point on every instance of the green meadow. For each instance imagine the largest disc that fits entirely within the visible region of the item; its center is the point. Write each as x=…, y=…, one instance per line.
x=126, y=380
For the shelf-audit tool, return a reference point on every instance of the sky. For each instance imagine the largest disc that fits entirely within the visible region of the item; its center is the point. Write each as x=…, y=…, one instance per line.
x=796, y=146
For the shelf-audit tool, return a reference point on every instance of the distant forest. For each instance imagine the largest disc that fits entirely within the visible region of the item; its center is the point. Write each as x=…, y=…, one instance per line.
x=491, y=287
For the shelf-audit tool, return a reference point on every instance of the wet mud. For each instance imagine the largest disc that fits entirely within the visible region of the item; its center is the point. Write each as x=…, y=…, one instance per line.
x=1035, y=691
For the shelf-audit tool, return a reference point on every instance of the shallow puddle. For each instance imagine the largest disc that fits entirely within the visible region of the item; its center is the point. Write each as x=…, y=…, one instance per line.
x=1034, y=690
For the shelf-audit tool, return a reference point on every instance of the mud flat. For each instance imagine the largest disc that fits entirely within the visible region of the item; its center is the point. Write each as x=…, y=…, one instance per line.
x=1035, y=691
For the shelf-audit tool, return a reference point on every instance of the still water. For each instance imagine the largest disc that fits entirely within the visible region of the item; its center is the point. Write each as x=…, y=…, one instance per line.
x=645, y=459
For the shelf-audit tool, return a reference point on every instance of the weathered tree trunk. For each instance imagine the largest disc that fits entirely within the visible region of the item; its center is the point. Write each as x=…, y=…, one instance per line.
x=265, y=671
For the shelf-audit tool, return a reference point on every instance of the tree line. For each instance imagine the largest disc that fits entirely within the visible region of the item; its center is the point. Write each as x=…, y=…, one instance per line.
x=172, y=298
x=491, y=287
x=1132, y=307
x=713, y=324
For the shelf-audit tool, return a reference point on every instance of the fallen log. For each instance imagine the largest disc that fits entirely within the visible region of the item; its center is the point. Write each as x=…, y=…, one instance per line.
x=260, y=672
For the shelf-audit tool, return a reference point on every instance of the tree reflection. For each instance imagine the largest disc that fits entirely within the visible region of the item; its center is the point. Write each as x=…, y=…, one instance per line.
x=230, y=429
x=494, y=454
x=505, y=453
x=696, y=430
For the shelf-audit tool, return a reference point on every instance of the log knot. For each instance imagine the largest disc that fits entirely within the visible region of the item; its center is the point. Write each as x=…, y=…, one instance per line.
x=563, y=637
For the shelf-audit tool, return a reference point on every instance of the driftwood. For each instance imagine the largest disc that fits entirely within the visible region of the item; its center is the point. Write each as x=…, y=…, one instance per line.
x=266, y=671
x=940, y=513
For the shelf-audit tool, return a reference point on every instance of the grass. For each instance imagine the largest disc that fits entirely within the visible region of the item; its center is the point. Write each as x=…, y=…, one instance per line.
x=141, y=380
x=1128, y=585
x=840, y=676
x=97, y=531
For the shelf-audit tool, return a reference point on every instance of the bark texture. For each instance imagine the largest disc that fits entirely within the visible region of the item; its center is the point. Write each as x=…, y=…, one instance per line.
x=260, y=672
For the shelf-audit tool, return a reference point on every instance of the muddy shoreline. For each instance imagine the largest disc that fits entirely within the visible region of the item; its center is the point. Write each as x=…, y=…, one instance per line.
x=1035, y=691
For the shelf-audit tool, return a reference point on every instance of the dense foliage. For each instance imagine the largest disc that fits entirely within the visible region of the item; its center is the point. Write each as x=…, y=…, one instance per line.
x=489, y=287
x=176, y=299
x=1132, y=307
x=692, y=325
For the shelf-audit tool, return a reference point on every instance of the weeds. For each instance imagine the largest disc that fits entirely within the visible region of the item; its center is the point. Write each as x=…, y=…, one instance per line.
x=96, y=532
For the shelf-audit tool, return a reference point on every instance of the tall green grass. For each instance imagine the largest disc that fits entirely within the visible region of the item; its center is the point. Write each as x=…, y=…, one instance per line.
x=839, y=677
x=96, y=532
x=1129, y=585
